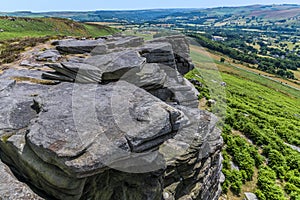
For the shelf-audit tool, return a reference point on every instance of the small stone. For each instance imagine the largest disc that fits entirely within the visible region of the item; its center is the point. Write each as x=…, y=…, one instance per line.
x=223, y=84
x=166, y=195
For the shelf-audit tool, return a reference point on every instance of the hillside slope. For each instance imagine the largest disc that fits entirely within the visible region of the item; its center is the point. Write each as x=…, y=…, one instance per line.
x=15, y=27
x=260, y=128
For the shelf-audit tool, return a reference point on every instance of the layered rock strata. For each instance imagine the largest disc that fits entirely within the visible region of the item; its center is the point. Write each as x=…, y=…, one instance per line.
x=110, y=118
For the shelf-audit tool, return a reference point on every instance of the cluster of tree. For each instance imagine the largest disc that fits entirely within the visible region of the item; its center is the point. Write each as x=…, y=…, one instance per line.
x=277, y=28
x=280, y=72
x=271, y=44
x=278, y=66
x=216, y=46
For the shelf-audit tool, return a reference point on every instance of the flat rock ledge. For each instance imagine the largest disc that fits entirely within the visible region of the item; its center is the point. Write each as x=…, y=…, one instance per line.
x=110, y=118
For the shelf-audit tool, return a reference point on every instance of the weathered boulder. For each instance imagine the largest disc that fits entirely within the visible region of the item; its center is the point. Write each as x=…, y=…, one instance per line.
x=72, y=46
x=124, y=42
x=44, y=178
x=190, y=173
x=11, y=74
x=160, y=52
x=133, y=122
x=70, y=148
x=99, y=68
x=114, y=65
x=184, y=93
x=71, y=71
x=121, y=123
x=151, y=76
x=99, y=46
x=180, y=46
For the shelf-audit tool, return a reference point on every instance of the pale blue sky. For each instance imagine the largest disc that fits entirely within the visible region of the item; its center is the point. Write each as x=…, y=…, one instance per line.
x=58, y=5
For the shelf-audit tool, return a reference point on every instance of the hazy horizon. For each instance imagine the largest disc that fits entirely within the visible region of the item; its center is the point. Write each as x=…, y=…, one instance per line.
x=91, y=5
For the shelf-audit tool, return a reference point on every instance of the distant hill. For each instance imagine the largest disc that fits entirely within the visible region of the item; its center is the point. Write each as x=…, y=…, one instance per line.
x=289, y=12
x=263, y=11
x=136, y=16
x=18, y=27
x=274, y=12
x=277, y=12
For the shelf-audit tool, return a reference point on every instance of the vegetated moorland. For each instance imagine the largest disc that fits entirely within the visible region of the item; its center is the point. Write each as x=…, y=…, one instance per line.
x=261, y=126
x=16, y=34
x=16, y=27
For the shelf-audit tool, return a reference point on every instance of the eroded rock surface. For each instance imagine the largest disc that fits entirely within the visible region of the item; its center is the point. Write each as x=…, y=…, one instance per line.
x=72, y=46
x=11, y=188
x=116, y=122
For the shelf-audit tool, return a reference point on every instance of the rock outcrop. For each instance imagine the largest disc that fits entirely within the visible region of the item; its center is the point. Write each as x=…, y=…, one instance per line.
x=113, y=119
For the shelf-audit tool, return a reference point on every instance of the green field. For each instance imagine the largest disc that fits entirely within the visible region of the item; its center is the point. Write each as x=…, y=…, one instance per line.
x=261, y=118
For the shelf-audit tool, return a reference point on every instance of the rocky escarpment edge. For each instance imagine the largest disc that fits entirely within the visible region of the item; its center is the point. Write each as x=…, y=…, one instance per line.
x=70, y=135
